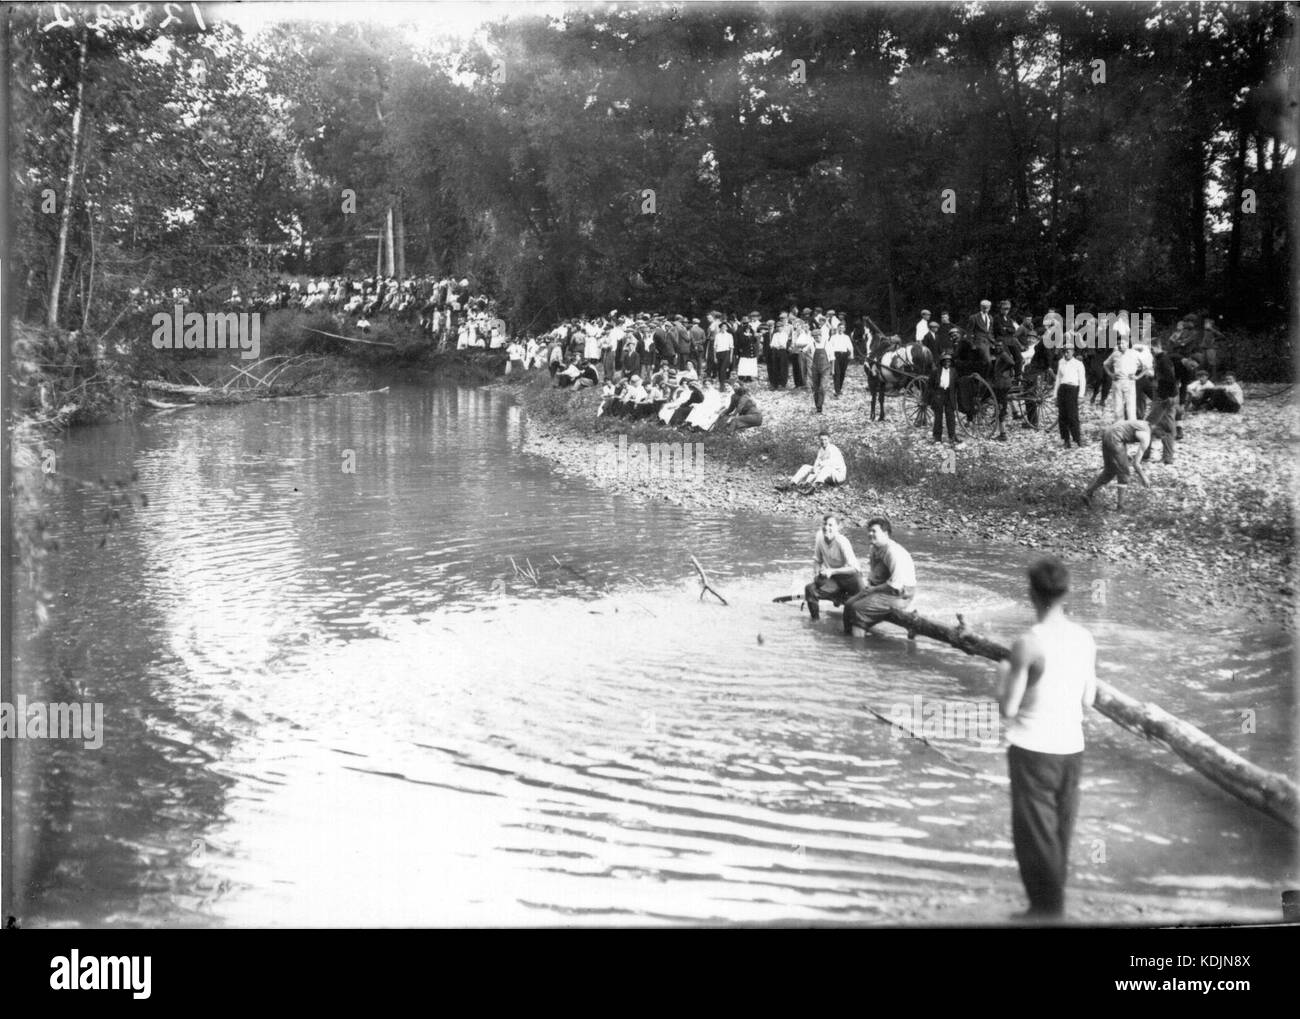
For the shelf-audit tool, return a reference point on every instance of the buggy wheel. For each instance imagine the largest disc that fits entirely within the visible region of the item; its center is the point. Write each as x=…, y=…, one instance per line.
x=978, y=397
x=916, y=403
x=1042, y=394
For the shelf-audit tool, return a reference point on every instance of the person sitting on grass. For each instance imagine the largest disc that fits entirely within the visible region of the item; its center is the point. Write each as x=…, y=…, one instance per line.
x=633, y=395
x=587, y=377
x=1116, y=462
x=1198, y=390
x=1228, y=397
x=742, y=412
x=706, y=412
x=694, y=395
x=828, y=468
x=567, y=376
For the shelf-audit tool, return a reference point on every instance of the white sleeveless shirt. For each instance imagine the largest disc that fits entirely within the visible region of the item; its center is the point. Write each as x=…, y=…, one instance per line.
x=1050, y=719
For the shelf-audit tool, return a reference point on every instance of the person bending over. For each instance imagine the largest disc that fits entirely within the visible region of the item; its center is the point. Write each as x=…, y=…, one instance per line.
x=1115, y=459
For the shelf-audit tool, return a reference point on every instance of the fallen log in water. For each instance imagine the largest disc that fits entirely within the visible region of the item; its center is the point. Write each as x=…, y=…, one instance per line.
x=1274, y=794
x=174, y=387
x=353, y=339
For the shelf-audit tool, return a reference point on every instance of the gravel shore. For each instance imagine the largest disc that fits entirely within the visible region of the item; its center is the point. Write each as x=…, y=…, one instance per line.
x=1219, y=520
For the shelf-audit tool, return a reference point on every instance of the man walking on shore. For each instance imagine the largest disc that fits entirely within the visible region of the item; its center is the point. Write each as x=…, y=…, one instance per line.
x=891, y=579
x=836, y=573
x=1042, y=692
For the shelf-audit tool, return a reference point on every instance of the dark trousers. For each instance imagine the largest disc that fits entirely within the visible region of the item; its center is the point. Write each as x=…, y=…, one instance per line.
x=1067, y=414
x=837, y=588
x=724, y=364
x=943, y=405
x=820, y=369
x=841, y=369
x=1160, y=416
x=796, y=367
x=1101, y=390
x=778, y=371
x=1044, y=802
x=866, y=610
x=1219, y=400
x=1145, y=392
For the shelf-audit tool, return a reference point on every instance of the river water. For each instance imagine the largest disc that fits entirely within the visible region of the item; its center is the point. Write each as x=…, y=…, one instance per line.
x=331, y=699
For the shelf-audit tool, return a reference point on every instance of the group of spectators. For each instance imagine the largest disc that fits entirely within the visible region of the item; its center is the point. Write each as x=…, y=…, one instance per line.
x=446, y=309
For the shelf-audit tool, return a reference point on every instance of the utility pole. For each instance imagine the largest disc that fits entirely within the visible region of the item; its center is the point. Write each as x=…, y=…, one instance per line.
x=388, y=239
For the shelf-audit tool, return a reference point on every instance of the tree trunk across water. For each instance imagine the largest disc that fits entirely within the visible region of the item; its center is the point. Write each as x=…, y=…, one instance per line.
x=1272, y=793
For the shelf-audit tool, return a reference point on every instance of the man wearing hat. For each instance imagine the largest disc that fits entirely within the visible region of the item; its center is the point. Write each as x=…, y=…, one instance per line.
x=778, y=352
x=943, y=397
x=697, y=343
x=980, y=331
x=723, y=345
x=681, y=340
x=840, y=347
x=820, y=366
x=923, y=326
x=749, y=338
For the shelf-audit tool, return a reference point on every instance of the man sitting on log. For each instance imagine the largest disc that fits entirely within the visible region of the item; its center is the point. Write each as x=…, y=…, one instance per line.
x=837, y=575
x=891, y=580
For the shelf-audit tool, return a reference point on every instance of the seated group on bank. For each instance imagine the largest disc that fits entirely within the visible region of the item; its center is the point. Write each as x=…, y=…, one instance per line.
x=678, y=399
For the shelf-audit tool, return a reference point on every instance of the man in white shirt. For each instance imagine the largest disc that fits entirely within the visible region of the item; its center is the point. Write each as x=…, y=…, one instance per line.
x=1071, y=381
x=891, y=580
x=836, y=573
x=923, y=326
x=778, y=365
x=828, y=468
x=1043, y=690
x=840, y=347
x=1124, y=366
x=723, y=344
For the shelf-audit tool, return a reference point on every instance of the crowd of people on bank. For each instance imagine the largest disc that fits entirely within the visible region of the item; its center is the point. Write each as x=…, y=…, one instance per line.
x=447, y=310
x=680, y=371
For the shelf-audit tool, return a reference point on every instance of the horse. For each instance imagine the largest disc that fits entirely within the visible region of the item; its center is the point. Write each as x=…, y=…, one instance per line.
x=891, y=366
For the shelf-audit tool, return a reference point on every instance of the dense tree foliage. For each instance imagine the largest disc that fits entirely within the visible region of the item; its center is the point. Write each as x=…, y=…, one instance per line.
x=872, y=157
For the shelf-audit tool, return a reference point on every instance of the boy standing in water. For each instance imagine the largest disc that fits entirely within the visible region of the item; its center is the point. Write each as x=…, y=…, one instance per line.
x=1042, y=692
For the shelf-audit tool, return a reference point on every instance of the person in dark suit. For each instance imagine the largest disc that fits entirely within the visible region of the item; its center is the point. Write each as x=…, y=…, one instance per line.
x=980, y=332
x=1004, y=325
x=1006, y=374
x=681, y=342
x=943, y=398
x=933, y=343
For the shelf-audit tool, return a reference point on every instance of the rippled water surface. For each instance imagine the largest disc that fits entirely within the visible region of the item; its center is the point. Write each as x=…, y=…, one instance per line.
x=331, y=699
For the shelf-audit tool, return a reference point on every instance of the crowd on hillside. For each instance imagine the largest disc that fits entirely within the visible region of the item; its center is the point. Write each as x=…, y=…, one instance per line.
x=447, y=310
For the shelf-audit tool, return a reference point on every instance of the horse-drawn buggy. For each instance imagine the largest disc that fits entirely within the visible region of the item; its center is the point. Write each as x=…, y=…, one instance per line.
x=904, y=370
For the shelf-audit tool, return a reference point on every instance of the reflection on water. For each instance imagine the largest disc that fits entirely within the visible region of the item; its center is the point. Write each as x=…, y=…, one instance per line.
x=330, y=698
